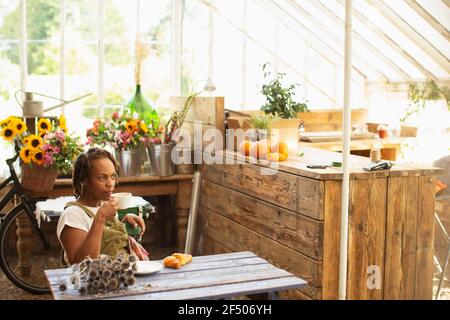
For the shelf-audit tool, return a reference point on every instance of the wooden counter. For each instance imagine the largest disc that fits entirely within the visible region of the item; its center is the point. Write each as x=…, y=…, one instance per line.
x=290, y=216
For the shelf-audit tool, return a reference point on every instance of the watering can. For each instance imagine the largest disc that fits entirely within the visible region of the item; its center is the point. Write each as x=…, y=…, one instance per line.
x=35, y=108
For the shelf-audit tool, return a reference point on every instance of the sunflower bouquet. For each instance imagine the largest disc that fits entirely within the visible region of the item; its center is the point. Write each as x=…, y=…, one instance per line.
x=50, y=146
x=122, y=132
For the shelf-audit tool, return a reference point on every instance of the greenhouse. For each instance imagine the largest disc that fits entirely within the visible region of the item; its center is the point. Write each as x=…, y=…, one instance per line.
x=213, y=149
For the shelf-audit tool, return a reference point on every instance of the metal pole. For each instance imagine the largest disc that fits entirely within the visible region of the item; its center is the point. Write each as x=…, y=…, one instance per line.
x=190, y=234
x=345, y=153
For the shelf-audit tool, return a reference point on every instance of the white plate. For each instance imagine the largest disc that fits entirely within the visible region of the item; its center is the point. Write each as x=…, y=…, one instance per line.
x=147, y=267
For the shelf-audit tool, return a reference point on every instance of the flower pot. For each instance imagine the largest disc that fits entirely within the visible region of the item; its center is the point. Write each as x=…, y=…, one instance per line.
x=129, y=162
x=161, y=159
x=38, y=178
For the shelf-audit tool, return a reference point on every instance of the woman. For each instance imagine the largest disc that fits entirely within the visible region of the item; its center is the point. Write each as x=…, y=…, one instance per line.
x=89, y=226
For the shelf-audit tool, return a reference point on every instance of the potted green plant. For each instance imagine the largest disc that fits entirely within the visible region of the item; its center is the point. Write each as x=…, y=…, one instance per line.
x=280, y=99
x=281, y=104
x=261, y=124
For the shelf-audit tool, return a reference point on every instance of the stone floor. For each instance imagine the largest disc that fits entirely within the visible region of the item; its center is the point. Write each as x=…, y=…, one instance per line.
x=9, y=292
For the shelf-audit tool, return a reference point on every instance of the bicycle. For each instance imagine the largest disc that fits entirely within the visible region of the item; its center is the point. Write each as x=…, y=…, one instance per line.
x=42, y=253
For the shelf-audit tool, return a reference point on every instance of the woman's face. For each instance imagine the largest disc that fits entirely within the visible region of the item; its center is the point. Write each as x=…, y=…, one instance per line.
x=100, y=185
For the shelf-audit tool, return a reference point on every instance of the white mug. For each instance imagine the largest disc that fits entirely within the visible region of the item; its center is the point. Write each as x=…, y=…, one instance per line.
x=123, y=199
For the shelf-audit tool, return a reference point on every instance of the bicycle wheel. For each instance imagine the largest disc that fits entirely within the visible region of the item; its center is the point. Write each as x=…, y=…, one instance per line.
x=24, y=255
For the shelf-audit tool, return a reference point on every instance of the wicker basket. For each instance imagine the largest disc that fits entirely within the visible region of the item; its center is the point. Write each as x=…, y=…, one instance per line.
x=38, y=178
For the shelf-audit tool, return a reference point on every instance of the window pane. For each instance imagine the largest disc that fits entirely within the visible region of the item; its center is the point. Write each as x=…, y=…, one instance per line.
x=155, y=20
x=81, y=20
x=9, y=78
x=228, y=63
x=255, y=58
x=260, y=25
x=195, y=46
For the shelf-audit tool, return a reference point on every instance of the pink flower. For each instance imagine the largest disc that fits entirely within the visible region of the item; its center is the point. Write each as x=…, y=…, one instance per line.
x=48, y=159
x=60, y=135
x=50, y=136
x=56, y=149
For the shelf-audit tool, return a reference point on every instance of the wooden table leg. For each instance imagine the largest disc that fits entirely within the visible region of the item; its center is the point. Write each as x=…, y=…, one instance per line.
x=183, y=203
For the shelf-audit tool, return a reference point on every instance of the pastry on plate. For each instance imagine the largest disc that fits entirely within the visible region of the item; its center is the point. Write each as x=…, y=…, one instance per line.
x=177, y=260
x=183, y=257
x=171, y=262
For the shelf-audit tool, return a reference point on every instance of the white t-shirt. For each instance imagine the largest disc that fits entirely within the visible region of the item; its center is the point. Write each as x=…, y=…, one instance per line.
x=75, y=217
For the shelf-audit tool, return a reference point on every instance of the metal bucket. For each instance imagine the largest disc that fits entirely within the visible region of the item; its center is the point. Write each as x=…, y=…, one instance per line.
x=161, y=159
x=129, y=162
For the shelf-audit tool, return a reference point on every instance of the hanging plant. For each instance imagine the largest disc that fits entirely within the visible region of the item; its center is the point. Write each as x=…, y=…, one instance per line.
x=420, y=94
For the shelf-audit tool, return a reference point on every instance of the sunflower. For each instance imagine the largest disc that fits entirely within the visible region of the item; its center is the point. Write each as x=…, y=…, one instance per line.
x=44, y=125
x=62, y=123
x=131, y=126
x=143, y=126
x=9, y=132
x=43, y=134
x=35, y=141
x=5, y=122
x=38, y=157
x=26, y=154
x=26, y=140
x=20, y=126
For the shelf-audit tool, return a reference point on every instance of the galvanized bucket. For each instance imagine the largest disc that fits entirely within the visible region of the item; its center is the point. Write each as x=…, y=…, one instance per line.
x=129, y=162
x=161, y=159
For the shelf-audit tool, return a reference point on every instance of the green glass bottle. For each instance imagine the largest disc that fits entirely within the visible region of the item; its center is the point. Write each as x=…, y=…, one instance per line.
x=140, y=105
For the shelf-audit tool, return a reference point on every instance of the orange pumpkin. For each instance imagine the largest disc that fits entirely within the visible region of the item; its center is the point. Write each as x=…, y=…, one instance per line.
x=280, y=147
x=244, y=147
x=276, y=157
x=260, y=149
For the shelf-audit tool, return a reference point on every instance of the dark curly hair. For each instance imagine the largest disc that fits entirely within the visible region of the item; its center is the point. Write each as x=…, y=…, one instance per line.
x=82, y=167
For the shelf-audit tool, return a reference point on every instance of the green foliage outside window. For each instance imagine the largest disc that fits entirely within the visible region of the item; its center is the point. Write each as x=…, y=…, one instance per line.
x=420, y=94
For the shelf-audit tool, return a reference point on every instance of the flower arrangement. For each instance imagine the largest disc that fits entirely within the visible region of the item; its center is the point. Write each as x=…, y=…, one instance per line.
x=52, y=146
x=122, y=132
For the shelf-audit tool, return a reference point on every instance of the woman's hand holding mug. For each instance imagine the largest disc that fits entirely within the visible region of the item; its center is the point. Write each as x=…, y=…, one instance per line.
x=107, y=210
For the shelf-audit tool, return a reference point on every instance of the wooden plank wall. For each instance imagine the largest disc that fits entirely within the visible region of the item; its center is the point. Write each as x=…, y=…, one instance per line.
x=265, y=215
x=390, y=227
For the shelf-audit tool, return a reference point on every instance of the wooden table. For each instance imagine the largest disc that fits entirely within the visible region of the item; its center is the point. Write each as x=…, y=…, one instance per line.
x=206, y=277
x=390, y=148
